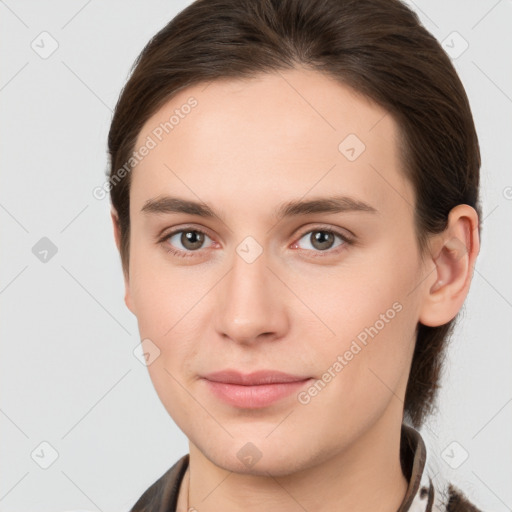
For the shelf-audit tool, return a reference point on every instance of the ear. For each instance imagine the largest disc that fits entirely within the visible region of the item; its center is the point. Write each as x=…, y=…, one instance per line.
x=454, y=254
x=117, y=237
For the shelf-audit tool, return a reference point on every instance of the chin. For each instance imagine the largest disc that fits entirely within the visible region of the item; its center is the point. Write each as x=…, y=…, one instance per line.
x=260, y=457
x=277, y=465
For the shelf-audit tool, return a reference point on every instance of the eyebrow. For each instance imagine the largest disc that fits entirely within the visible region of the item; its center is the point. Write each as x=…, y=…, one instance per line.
x=294, y=208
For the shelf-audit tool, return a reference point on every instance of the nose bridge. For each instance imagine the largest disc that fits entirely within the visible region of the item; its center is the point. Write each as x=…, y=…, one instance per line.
x=250, y=303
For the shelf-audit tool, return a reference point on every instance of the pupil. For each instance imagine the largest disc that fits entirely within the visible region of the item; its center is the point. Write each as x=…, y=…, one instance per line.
x=192, y=239
x=322, y=240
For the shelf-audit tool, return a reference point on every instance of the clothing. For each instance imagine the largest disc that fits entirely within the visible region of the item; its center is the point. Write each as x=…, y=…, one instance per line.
x=422, y=494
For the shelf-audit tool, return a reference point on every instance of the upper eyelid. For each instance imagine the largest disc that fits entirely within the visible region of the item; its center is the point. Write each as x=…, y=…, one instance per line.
x=336, y=231
x=164, y=234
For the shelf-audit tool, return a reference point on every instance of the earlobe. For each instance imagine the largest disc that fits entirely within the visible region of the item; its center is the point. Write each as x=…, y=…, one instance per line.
x=115, y=224
x=455, y=255
x=117, y=237
x=128, y=297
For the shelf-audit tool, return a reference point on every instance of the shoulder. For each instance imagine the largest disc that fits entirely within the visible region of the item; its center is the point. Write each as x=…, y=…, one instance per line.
x=457, y=502
x=163, y=493
x=429, y=490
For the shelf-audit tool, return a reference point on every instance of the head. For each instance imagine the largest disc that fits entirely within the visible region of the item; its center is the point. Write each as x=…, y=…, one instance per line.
x=265, y=105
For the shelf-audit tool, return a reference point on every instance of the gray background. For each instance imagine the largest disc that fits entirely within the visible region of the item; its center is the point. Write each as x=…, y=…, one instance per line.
x=69, y=374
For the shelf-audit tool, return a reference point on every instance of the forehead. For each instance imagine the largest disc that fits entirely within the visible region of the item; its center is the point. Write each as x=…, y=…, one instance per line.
x=276, y=133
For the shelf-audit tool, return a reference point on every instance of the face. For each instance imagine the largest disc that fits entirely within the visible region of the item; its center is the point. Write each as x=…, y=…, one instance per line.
x=328, y=293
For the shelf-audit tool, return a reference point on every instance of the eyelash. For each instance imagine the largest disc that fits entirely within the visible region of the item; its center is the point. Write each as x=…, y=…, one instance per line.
x=187, y=254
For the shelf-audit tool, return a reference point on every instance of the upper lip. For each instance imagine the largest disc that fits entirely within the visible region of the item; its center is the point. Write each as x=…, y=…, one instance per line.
x=254, y=378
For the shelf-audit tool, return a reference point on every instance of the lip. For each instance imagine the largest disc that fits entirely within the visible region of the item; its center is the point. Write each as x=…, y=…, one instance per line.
x=253, y=390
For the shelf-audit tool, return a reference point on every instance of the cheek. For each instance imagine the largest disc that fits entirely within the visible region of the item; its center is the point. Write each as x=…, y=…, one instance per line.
x=350, y=299
x=167, y=303
x=165, y=315
x=369, y=318
x=160, y=295
x=364, y=367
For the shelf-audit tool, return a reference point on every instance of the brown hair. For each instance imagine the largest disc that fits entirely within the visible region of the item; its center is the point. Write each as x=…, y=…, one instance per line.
x=378, y=48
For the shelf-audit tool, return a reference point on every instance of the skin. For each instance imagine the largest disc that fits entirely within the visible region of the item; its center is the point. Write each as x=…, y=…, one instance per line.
x=247, y=147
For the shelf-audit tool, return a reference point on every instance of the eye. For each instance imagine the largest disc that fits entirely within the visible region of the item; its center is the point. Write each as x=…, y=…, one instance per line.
x=185, y=242
x=323, y=240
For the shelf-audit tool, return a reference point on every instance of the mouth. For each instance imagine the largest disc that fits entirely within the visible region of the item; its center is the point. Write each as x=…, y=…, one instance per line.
x=254, y=390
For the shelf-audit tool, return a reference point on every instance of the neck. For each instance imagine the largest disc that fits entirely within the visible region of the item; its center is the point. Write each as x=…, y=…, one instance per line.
x=366, y=476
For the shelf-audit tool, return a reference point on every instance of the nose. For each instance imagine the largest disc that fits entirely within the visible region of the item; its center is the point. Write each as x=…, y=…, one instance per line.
x=251, y=303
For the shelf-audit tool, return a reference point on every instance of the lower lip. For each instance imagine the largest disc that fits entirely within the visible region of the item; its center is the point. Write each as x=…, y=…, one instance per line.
x=254, y=397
